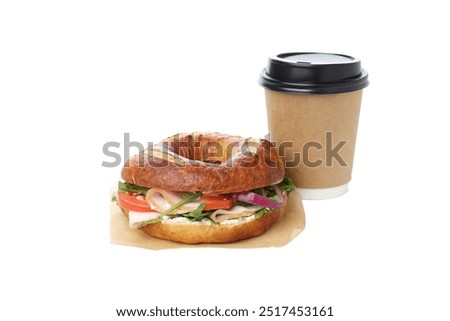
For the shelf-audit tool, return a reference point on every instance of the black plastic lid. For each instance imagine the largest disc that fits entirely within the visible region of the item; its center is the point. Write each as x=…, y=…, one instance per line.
x=313, y=73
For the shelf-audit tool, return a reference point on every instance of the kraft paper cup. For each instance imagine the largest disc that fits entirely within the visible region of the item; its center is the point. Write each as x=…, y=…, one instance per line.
x=313, y=102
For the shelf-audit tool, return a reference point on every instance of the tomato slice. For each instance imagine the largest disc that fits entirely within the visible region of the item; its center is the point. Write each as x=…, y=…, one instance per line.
x=132, y=203
x=215, y=202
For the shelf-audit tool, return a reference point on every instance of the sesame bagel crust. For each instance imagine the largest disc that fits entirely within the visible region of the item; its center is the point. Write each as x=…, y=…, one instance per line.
x=212, y=163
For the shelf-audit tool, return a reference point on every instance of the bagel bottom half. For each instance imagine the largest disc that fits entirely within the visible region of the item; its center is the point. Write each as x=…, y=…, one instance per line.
x=191, y=233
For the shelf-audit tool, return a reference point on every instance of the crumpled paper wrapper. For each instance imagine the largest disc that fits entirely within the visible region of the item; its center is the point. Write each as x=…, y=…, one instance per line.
x=281, y=233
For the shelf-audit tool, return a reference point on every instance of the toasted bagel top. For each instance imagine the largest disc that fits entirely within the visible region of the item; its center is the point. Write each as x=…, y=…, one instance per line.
x=211, y=163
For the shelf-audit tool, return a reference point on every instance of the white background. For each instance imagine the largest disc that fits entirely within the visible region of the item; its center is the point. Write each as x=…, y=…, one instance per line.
x=77, y=74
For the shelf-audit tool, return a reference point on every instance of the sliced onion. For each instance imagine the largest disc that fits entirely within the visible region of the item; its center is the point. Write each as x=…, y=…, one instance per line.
x=256, y=199
x=279, y=193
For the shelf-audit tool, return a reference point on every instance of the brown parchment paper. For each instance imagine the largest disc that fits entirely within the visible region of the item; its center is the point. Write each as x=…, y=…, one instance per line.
x=281, y=233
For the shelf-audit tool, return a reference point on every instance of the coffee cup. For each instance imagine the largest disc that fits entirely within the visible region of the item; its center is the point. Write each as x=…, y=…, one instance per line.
x=313, y=102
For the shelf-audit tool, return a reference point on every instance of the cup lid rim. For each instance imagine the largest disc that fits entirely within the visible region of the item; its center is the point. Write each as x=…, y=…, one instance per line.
x=313, y=73
x=361, y=82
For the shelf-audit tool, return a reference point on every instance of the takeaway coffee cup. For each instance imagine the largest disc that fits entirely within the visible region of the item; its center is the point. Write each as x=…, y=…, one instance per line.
x=313, y=101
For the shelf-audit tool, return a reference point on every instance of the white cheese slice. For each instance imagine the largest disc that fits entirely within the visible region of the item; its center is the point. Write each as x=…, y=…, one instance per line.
x=136, y=219
x=235, y=212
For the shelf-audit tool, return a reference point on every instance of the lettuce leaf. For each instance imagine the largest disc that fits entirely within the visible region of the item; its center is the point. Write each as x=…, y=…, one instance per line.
x=287, y=185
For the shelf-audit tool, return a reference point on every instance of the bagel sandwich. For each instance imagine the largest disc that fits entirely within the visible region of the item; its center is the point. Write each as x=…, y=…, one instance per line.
x=204, y=188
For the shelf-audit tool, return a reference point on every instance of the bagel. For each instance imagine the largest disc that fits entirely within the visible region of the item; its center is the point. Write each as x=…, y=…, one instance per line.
x=204, y=188
x=213, y=163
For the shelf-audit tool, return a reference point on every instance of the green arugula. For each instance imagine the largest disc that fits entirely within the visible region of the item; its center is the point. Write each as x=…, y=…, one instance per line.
x=190, y=198
x=261, y=212
x=197, y=215
x=153, y=221
x=131, y=188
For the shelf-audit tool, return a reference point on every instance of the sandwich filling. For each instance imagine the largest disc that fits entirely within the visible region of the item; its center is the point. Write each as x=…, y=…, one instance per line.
x=153, y=205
